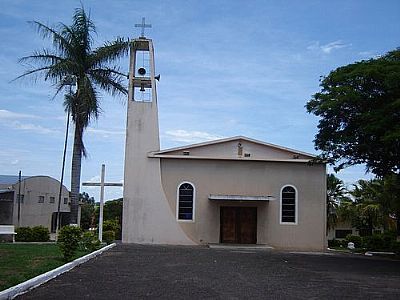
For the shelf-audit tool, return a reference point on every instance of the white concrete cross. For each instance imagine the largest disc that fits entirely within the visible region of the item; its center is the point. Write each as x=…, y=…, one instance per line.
x=101, y=184
x=143, y=25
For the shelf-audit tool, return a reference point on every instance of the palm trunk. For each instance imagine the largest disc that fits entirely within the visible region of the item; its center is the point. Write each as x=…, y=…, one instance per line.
x=76, y=174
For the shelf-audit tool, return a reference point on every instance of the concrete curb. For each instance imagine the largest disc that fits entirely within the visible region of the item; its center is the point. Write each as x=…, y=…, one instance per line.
x=30, y=284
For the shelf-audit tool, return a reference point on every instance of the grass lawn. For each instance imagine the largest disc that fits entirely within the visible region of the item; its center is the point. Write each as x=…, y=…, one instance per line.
x=20, y=262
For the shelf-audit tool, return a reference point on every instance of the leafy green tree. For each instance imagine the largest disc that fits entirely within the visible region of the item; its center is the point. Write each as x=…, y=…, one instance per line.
x=336, y=193
x=376, y=204
x=87, y=210
x=112, y=214
x=113, y=210
x=359, y=106
x=73, y=55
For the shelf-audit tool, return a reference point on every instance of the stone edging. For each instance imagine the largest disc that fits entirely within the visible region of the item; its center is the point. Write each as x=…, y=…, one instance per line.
x=32, y=283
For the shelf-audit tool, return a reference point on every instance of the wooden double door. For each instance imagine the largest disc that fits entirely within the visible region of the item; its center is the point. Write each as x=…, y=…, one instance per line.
x=238, y=225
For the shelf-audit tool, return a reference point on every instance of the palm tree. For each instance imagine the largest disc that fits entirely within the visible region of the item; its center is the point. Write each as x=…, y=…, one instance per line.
x=72, y=55
x=369, y=205
x=336, y=193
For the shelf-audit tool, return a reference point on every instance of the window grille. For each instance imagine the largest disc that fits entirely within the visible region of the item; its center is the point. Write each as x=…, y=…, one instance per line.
x=288, y=205
x=185, y=201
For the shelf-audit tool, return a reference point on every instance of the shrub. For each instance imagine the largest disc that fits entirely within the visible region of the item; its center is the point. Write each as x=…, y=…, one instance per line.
x=24, y=234
x=113, y=225
x=68, y=241
x=357, y=240
x=374, y=242
x=334, y=243
x=89, y=241
x=34, y=234
x=388, y=238
x=109, y=236
x=40, y=234
x=395, y=247
x=110, y=225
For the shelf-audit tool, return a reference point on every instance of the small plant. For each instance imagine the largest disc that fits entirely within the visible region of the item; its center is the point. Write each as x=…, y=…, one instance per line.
x=109, y=236
x=40, y=234
x=68, y=241
x=89, y=241
x=24, y=234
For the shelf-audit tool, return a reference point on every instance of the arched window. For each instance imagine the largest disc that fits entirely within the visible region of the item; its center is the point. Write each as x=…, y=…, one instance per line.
x=185, y=205
x=288, y=213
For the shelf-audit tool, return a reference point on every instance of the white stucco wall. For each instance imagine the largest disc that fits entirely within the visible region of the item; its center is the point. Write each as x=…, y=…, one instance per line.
x=252, y=178
x=34, y=213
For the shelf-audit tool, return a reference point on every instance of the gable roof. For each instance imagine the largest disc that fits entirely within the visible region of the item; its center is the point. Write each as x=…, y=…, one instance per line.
x=227, y=149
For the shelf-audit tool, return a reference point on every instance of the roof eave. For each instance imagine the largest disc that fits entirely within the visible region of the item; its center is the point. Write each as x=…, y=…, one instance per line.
x=293, y=160
x=240, y=137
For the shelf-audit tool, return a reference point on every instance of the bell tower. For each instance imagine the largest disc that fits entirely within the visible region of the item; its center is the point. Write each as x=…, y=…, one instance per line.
x=146, y=213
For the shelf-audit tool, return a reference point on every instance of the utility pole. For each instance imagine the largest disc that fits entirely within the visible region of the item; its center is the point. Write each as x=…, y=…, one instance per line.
x=19, y=199
x=68, y=80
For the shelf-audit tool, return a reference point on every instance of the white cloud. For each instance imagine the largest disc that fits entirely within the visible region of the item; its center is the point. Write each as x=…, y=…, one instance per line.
x=31, y=127
x=6, y=115
x=95, y=179
x=369, y=54
x=185, y=136
x=327, y=48
x=105, y=133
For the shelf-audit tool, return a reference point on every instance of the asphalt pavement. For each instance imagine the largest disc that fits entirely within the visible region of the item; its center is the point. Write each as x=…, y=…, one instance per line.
x=179, y=272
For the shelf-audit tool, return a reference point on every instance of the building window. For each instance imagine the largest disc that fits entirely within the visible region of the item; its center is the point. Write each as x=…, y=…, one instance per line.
x=288, y=209
x=185, y=202
x=342, y=233
x=41, y=199
x=65, y=200
x=52, y=199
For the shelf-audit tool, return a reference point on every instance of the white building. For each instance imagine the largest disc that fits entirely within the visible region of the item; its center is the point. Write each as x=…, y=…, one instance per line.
x=39, y=201
x=235, y=190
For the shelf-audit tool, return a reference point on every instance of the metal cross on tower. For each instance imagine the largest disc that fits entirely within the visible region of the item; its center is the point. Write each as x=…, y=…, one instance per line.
x=143, y=25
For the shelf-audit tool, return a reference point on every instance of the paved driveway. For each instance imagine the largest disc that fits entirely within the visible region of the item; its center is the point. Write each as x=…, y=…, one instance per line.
x=171, y=272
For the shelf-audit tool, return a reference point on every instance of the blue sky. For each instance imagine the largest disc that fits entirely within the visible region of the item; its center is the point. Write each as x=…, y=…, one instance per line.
x=227, y=68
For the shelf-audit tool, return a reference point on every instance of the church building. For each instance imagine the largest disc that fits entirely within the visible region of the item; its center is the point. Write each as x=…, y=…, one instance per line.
x=236, y=190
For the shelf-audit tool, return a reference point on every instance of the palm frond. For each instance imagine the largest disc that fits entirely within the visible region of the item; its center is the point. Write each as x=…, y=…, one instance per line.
x=109, y=52
x=45, y=57
x=82, y=26
x=59, y=42
x=34, y=71
x=109, y=80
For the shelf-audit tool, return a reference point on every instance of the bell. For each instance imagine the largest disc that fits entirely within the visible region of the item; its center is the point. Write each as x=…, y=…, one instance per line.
x=142, y=71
